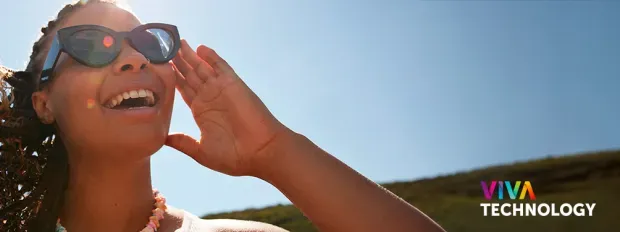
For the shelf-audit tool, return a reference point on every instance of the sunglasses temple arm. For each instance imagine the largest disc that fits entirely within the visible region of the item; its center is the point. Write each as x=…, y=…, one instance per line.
x=51, y=59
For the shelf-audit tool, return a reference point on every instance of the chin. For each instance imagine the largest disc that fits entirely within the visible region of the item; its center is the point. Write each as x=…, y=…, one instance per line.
x=141, y=143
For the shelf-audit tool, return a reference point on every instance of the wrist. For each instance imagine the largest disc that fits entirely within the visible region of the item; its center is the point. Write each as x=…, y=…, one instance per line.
x=274, y=157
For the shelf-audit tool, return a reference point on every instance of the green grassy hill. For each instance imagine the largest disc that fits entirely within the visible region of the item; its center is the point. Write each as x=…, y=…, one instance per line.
x=454, y=200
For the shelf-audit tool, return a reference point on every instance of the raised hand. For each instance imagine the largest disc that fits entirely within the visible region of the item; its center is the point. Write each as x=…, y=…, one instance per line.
x=236, y=127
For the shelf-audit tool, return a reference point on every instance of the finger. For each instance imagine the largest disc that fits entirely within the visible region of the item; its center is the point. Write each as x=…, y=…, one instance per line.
x=187, y=71
x=220, y=66
x=184, y=143
x=201, y=67
x=187, y=92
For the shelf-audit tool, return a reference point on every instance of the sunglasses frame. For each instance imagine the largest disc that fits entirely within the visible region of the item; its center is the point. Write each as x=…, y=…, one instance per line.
x=61, y=43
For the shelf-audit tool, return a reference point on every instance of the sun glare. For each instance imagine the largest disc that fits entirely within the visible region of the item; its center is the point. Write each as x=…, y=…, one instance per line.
x=123, y=4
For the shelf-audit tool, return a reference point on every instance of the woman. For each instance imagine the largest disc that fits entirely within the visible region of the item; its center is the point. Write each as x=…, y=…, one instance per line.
x=81, y=122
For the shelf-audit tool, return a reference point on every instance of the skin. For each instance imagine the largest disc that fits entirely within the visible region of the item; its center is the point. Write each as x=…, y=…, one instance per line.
x=109, y=153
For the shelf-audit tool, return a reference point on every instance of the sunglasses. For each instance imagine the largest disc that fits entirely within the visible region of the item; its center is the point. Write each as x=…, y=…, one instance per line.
x=97, y=46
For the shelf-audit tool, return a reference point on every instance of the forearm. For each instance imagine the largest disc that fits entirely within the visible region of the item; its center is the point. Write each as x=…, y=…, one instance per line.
x=334, y=196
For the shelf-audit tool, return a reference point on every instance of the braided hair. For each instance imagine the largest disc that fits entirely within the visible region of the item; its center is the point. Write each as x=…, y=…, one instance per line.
x=33, y=161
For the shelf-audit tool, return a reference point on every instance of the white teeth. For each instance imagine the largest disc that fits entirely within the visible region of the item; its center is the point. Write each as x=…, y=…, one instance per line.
x=133, y=94
x=142, y=93
x=149, y=97
x=145, y=93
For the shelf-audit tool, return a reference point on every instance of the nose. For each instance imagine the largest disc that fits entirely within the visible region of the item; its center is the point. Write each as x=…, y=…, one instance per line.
x=130, y=60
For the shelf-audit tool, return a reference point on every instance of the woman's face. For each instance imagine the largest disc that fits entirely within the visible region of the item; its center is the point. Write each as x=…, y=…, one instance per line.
x=78, y=98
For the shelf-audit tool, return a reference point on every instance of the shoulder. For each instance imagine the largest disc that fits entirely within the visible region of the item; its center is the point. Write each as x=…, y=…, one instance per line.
x=231, y=225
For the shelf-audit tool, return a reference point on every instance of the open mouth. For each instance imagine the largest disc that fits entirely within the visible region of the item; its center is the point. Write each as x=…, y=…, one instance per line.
x=138, y=98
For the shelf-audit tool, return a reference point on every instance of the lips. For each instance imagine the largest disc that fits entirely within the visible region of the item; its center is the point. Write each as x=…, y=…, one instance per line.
x=135, y=98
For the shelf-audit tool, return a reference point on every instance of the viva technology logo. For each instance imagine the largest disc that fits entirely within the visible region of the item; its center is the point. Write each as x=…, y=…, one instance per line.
x=528, y=208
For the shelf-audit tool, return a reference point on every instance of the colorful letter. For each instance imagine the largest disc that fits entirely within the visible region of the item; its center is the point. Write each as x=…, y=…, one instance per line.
x=500, y=190
x=512, y=192
x=527, y=187
x=488, y=191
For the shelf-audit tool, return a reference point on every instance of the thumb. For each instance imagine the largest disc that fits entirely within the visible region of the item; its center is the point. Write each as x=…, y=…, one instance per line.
x=184, y=143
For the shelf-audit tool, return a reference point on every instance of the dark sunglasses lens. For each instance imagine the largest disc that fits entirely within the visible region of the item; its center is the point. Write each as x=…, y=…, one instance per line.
x=155, y=44
x=92, y=47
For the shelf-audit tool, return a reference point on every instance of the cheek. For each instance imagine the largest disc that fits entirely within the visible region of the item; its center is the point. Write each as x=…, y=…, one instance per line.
x=168, y=81
x=75, y=107
x=167, y=77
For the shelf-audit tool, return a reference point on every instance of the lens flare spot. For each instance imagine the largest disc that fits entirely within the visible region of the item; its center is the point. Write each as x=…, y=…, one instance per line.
x=108, y=41
x=90, y=103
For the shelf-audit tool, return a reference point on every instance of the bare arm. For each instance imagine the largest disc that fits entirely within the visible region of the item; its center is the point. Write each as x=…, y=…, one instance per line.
x=334, y=196
x=235, y=126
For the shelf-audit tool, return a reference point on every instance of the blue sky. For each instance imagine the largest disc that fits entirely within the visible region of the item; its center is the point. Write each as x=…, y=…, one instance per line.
x=398, y=90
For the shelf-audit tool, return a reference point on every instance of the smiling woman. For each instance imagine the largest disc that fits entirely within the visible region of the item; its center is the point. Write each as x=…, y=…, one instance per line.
x=80, y=124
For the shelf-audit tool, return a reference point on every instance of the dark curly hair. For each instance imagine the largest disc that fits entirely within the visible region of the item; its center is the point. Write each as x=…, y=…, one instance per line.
x=33, y=161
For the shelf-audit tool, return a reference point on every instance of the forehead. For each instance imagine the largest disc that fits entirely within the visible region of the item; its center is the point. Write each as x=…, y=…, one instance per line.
x=104, y=14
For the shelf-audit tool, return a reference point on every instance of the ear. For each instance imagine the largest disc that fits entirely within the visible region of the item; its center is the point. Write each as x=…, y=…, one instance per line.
x=42, y=105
